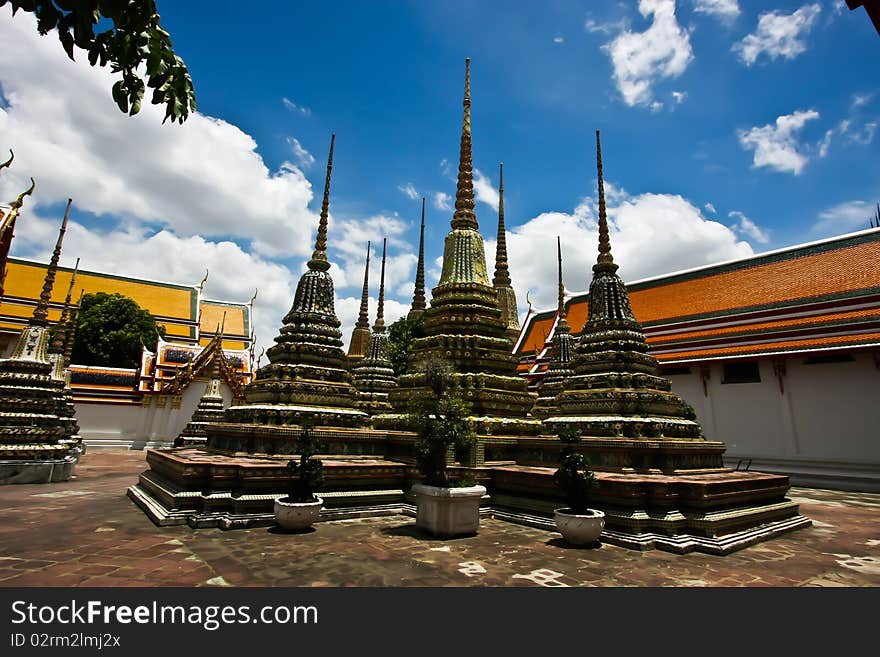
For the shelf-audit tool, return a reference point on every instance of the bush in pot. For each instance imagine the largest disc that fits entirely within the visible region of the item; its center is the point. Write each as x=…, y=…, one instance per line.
x=301, y=507
x=441, y=420
x=578, y=524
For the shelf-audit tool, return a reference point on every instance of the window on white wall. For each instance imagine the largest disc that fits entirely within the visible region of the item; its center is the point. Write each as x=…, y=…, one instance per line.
x=741, y=372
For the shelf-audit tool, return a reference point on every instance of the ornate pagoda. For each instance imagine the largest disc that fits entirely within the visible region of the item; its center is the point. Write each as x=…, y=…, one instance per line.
x=418, y=303
x=307, y=378
x=210, y=409
x=38, y=430
x=561, y=353
x=501, y=280
x=464, y=325
x=615, y=391
x=360, y=335
x=373, y=374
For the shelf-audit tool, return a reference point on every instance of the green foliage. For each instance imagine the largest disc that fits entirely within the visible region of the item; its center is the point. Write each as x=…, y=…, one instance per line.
x=400, y=336
x=133, y=39
x=307, y=476
x=110, y=329
x=573, y=475
x=440, y=418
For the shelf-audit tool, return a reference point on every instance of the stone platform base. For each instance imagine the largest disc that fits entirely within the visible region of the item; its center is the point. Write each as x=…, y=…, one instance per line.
x=37, y=472
x=711, y=510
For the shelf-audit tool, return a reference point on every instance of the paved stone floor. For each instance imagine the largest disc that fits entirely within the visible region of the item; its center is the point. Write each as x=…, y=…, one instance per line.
x=86, y=532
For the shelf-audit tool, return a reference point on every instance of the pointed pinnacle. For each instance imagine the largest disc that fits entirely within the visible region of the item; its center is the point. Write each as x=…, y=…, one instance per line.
x=17, y=203
x=379, y=326
x=605, y=262
x=41, y=313
x=58, y=340
x=319, y=256
x=560, y=308
x=8, y=162
x=363, y=316
x=70, y=333
x=418, y=302
x=464, y=216
x=502, y=274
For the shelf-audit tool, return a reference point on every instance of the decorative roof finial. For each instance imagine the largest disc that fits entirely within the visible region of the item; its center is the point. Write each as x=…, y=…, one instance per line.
x=319, y=257
x=8, y=162
x=464, y=216
x=58, y=340
x=363, y=315
x=204, y=280
x=41, y=313
x=17, y=203
x=502, y=274
x=605, y=262
x=418, y=302
x=379, y=326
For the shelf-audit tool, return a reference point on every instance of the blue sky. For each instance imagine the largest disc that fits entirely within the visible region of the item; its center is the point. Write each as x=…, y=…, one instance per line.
x=729, y=127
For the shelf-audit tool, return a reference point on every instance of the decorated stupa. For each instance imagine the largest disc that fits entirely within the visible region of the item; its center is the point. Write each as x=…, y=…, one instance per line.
x=210, y=409
x=373, y=374
x=417, y=309
x=360, y=335
x=615, y=391
x=561, y=352
x=307, y=378
x=464, y=326
x=38, y=430
x=501, y=280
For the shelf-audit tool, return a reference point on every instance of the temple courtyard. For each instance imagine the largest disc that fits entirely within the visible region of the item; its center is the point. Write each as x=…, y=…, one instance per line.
x=86, y=532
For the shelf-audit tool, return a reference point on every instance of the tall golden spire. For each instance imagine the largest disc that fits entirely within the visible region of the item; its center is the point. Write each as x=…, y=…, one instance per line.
x=418, y=302
x=502, y=275
x=605, y=262
x=363, y=316
x=319, y=257
x=379, y=326
x=464, y=216
x=41, y=313
x=57, y=344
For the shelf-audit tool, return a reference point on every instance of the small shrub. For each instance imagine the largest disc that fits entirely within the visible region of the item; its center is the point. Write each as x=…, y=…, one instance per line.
x=574, y=476
x=307, y=475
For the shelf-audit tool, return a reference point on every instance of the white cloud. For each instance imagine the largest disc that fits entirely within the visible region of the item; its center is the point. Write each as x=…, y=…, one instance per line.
x=679, y=96
x=293, y=107
x=843, y=218
x=710, y=208
x=303, y=157
x=776, y=145
x=640, y=59
x=558, y=39
x=748, y=228
x=200, y=177
x=656, y=106
x=865, y=135
x=825, y=144
x=609, y=27
x=484, y=191
x=778, y=35
x=725, y=10
x=441, y=201
x=650, y=234
x=858, y=100
x=410, y=190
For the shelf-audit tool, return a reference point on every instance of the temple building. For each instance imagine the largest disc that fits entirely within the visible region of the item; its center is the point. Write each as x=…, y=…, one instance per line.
x=778, y=354
x=39, y=441
x=136, y=407
x=464, y=325
x=373, y=374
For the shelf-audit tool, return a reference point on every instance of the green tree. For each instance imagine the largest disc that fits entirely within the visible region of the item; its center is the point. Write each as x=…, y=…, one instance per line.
x=400, y=336
x=133, y=38
x=110, y=329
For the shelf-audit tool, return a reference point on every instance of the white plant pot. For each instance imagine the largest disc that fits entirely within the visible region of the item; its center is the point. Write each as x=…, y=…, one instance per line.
x=580, y=529
x=448, y=511
x=297, y=515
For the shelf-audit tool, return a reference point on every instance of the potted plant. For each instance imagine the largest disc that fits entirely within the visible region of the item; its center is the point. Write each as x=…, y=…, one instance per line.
x=440, y=418
x=577, y=523
x=301, y=507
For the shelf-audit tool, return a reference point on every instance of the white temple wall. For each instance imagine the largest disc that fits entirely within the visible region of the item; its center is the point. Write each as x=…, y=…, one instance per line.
x=128, y=426
x=823, y=430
